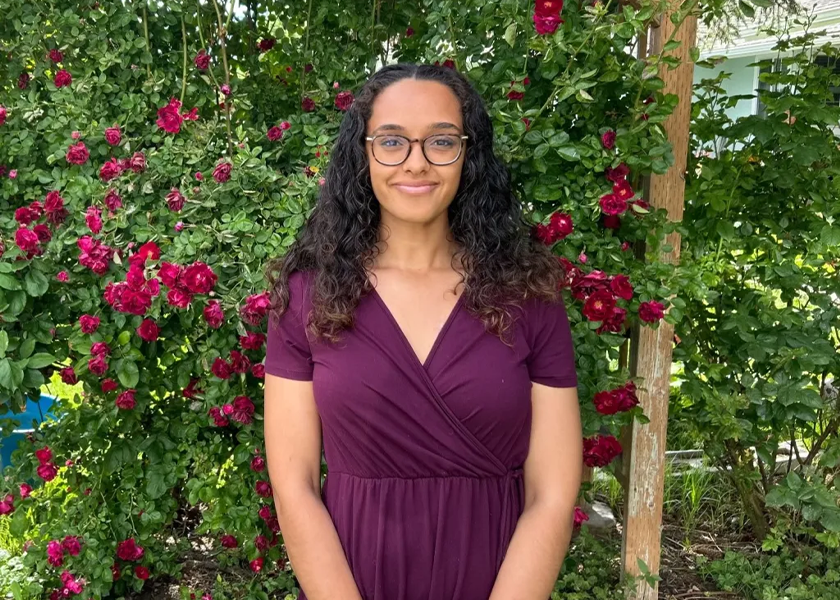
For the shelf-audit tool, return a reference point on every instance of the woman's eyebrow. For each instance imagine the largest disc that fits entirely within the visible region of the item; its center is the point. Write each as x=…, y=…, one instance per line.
x=396, y=127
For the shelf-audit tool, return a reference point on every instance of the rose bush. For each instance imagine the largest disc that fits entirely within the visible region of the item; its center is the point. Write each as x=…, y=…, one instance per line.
x=161, y=155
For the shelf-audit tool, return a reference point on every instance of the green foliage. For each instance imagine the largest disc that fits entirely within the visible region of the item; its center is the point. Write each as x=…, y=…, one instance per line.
x=761, y=344
x=162, y=473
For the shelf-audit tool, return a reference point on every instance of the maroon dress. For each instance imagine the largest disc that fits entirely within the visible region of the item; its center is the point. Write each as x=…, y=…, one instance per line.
x=424, y=481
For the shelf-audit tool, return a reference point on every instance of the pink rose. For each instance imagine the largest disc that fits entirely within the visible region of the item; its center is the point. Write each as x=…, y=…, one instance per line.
x=125, y=400
x=77, y=154
x=148, y=330
x=213, y=314
x=113, y=136
x=222, y=172
x=175, y=200
x=89, y=323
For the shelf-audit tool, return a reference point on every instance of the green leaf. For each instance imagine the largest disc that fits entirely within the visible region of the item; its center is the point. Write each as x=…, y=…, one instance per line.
x=27, y=347
x=748, y=10
x=6, y=374
x=4, y=343
x=19, y=524
x=7, y=282
x=36, y=283
x=40, y=360
x=127, y=373
x=569, y=153
x=510, y=34
x=541, y=150
x=725, y=229
x=831, y=519
x=156, y=483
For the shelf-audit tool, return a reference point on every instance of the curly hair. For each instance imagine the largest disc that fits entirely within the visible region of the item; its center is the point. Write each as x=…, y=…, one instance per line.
x=502, y=261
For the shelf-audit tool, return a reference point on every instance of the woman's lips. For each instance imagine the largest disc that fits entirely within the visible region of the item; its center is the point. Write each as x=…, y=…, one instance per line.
x=416, y=190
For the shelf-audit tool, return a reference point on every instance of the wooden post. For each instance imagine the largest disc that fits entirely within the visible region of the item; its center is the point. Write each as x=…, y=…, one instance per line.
x=650, y=357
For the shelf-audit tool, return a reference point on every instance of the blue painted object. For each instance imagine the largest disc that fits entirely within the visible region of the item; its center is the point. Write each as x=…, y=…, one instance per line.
x=34, y=410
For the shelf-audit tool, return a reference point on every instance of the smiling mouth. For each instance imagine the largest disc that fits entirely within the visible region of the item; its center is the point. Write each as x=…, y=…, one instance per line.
x=416, y=190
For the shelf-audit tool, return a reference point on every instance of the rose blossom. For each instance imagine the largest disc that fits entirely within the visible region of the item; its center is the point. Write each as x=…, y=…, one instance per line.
x=110, y=170
x=198, y=278
x=600, y=450
x=258, y=464
x=148, y=330
x=263, y=488
x=258, y=370
x=344, y=100
x=68, y=376
x=612, y=204
x=621, y=286
x=255, y=309
x=579, y=517
x=228, y=541
x=71, y=544
x=252, y=341
x=89, y=323
x=93, y=219
x=221, y=368
x=113, y=135
x=239, y=363
x=651, y=311
x=141, y=572
x=599, y=305
x=108, y=385
x=47, y=471
x=98, y=365
x=77, y=154
x=608, y=139
x=175, y=200
x=222, y=172
x=125, y=400
x=62, y=79
x=202, y=60
x=129, y=550
x=55, y=55
x=243, y=410
x=274, y=134
x=55, y=553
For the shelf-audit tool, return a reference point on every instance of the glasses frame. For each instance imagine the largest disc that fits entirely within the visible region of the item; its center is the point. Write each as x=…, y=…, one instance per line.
x=411, y=147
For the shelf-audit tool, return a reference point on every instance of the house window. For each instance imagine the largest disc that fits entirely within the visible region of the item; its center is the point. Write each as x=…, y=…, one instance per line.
x=831, y=62
x=774, y=67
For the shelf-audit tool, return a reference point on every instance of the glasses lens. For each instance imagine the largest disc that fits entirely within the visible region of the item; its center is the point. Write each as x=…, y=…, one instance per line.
x=440, y=149
x=443, y=148
x=390, y=149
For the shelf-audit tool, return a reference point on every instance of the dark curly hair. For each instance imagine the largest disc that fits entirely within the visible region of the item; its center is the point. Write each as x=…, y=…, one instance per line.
x=502, y=260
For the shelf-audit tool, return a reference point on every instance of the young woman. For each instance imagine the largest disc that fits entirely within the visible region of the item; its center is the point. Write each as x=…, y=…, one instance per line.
x=418, y=331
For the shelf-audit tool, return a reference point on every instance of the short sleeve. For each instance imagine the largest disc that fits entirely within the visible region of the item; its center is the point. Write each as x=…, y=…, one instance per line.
x=551, y=360
x=287, y=351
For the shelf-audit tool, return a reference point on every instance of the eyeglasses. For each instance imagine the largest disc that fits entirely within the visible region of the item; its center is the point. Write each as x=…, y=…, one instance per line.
x=439, y=149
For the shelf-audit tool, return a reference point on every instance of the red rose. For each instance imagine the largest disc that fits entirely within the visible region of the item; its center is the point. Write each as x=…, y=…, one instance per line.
x=68, y=376
x=608, y=139
x=148, y=330
x=243, y=410
x=239, y=363
x=545, y=25
x=44, y=455
x=202, y=60
x=93, y=219
x=263, y=488
x=222, y=172
x=141, y=572
x=23, y=81
x=623, y=190
x=625, y=396
x=255, y=309
x=191, y=391
x=221, y=368
x=599, y=305
x=219, y=420
x=175, y=200
x=98, y=365
x=110, y=170
x=47, y=471
x=26, y=239
x=108, y=385
x=77, y=154
x=258, y=370
x=55, y=55
x=617, y=174
x=213, y=314
x=266, y=44
x=252, y=341
x=274, y=134
x=344, y=100
x=261, y=543
x=600, y=450
x=198, y=278
x=137, y=162
x=258, y=464
x=614, y=323
x=71, y=544
x=145, y=252
x=100, y=348
x=178, y=298
x=89, y=323
x=129, y=550
x=169, y=118
x=257, y=564
x=62, y=79
x=228, y=541
x=579, y=517
x=307, y=104
x=54, y=206
x=169, y=274
x=113, y=136
x=126, y=400
x=621, y=287
x=612, y=204
x=113, y=200
x=651, y=311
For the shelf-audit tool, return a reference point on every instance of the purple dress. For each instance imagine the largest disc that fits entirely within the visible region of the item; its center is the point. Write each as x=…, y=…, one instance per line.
x=424, y=481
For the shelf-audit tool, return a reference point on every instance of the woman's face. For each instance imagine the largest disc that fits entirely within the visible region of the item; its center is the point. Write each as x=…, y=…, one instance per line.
x=415, y=109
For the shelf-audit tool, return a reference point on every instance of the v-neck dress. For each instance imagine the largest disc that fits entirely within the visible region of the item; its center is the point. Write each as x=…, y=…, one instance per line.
x=424, y=460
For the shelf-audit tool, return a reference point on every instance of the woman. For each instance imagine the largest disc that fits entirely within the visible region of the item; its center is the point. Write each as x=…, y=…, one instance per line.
x=422, y=336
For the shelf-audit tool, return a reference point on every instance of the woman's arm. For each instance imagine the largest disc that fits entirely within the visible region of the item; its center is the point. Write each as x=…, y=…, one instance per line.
x=552, y=473
x=293, y=450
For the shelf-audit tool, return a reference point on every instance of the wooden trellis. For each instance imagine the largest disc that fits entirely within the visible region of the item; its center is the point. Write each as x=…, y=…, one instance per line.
x=641, y=468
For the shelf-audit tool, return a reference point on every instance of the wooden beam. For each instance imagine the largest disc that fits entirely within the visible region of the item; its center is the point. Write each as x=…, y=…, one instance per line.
x=651, y=350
